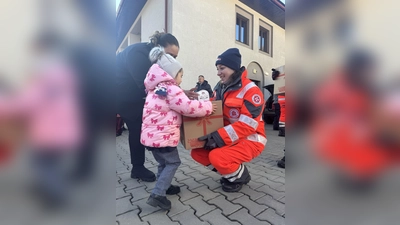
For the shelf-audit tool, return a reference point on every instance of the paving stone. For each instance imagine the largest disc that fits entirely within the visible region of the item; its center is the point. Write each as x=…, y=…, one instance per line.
x=202, y=200
x=281, y=188
x=119, y=165
x=254, y=208
x=280, y=180
x=147, y=209
x=187, y=170
x=245, y=218
x=176, y=206
x=200, y=206
x=130, y=218
x=188, y=217
x=230, y=196
x=117, y=183
x=215, y=217
x=123, y=169
x=271, y=216
x=186, y=194
x=149, y=186
x=269, y=191
x=270, y=183
x=138, y=193
x=120, y=192
x=212, y=184
x=158, y=218
x=180, y=176
x=226, y=206
x=213, y=175
x=198, y=176
x=200, y=168
x=124, y=177
x=191, y=183
x=206, y=193
x=270, y=170
x=254, y=195
x=261, y=173
x=254, y=185
x=124, y=205
x=132, y=183
x=272, y=203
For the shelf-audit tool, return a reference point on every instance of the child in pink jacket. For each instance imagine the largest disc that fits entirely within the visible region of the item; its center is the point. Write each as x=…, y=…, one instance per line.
x=165, y=103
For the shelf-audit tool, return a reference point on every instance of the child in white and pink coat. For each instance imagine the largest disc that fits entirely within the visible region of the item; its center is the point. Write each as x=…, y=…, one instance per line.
x=165, y=103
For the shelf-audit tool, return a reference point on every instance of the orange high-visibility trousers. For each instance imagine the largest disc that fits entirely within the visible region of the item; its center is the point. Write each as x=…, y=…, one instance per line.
x=226, y=160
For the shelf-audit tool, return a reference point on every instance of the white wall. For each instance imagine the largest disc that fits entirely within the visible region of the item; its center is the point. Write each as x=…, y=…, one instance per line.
x=153, y=18
x=133, y=38
x=205, y=29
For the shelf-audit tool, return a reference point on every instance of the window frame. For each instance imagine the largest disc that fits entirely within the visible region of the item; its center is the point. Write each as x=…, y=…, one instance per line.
x=242, y=14
x=265, y=26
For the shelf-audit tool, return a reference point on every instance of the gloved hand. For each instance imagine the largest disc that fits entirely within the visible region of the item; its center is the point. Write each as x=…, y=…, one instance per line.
x=210, y=141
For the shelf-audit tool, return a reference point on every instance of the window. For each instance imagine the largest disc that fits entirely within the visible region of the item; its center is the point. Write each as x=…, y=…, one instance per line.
x=265, y=38
x=244, y=27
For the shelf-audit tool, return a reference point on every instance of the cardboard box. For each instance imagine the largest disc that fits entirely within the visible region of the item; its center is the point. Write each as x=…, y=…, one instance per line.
x=193, y=128
x=280, y=83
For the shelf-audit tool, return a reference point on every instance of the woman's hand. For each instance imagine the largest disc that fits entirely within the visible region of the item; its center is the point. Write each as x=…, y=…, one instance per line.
x=214, y=109
x=191, y=94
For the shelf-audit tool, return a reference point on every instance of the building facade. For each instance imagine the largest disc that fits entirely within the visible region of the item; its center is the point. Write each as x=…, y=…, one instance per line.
x=206, y=28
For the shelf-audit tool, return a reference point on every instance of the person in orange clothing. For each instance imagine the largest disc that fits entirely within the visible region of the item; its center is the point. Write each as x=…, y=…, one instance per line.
x=243, y=136
x=282, y=118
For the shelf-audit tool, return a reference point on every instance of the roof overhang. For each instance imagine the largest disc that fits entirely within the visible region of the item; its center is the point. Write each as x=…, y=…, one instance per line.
x=273, y=10
x=129, y=10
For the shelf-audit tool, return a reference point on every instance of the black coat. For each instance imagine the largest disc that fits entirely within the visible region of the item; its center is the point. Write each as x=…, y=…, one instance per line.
x=133, y=64
x=204, y=86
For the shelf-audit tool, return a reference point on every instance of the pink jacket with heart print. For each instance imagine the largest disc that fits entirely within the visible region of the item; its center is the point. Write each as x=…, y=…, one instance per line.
x=162, y=114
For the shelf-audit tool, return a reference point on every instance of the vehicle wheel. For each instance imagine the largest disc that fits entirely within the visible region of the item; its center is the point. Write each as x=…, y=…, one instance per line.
x=268, y=119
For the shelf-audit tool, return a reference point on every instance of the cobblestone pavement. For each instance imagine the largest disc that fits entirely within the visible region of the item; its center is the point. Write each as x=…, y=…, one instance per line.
x=202, y=201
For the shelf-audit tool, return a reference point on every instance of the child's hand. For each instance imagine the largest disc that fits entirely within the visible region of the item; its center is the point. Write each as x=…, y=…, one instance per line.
x=214, y=108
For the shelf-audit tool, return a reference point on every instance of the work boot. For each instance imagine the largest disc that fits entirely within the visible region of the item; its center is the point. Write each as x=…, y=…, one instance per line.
x=142, y=173
x=236, y=185
x=281, y=163
x=281, y=131
x=160, y=201
x=173, y=190
x=223, y=180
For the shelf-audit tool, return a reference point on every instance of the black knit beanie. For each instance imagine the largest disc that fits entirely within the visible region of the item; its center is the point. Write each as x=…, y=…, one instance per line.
x=230, y=58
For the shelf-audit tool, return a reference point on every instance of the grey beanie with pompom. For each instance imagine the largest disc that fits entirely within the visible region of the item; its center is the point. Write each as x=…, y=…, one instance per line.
x=165, y=61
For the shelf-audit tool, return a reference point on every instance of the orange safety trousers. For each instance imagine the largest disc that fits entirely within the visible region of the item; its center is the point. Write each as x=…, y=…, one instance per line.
x=226, y=160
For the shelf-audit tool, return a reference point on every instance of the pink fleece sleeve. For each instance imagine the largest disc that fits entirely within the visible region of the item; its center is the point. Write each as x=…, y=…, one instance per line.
x=180, y=103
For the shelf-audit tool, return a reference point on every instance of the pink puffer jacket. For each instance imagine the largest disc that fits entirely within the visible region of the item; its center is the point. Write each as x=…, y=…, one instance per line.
x=162, y=114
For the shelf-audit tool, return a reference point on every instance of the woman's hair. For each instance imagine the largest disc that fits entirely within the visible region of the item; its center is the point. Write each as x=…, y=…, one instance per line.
x=236, y=74
x=163, y=39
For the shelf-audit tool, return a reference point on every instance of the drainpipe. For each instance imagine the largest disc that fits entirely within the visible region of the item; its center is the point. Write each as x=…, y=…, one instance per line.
x=166, y=17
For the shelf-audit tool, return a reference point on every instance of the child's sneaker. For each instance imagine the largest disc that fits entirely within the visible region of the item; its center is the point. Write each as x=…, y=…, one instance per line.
x=161, y=201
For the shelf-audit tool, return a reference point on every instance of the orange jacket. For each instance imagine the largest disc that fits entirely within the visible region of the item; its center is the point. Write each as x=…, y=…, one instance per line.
x=282, y=103
x=243, y=105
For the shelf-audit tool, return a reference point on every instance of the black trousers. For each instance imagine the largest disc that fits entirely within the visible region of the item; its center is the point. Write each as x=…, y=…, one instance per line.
x=134, y=122
x=277, y=115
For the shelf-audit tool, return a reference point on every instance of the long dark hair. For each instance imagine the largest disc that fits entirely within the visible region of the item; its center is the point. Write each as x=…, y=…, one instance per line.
x=236, y=75
x=163, y=39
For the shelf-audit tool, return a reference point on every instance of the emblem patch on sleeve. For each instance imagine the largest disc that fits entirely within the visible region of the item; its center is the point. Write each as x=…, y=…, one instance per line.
x=234, y=113
x=256, y=99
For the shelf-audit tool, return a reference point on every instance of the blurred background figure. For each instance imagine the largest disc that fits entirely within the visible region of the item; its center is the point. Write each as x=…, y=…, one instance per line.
x=59, y=118
x=203, y=85
x=342, y=121
x=50, y=110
